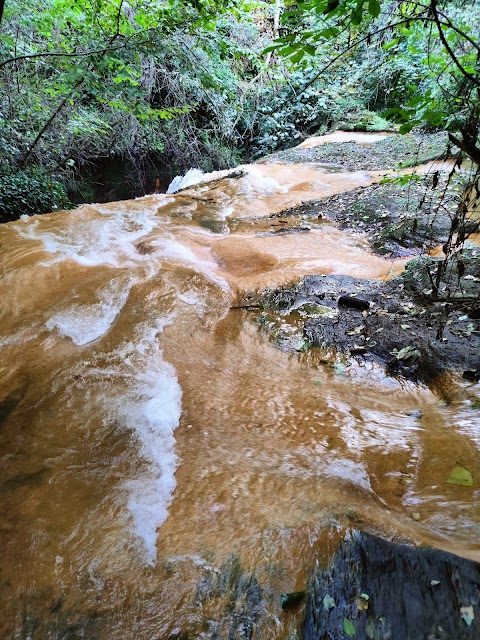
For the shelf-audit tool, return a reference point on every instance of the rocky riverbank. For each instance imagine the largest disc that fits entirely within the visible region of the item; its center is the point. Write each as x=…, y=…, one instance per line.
x=397, y=322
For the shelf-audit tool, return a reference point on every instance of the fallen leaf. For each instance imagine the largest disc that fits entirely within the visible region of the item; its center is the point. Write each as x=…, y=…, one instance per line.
x=460, y=475
x=362, y=603
x=317, y=383
x=328, y=603
x=405, y=326
x=356, y=331
x=339, y=368
x=467, y=614
x=348, y=628
x=407, y=353
x=434, y=583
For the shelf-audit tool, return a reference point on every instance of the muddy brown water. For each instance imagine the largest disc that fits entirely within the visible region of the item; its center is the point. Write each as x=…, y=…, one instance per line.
x=150, y=432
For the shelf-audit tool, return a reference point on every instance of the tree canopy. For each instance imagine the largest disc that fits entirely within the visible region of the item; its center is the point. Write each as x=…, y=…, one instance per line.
x=209, y=83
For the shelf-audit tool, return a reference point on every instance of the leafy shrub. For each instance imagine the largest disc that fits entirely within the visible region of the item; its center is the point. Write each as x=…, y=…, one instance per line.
x=363, y=120
x=30, y=193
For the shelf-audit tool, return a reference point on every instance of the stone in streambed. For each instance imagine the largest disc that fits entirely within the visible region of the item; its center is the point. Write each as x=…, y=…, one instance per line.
x=289, y=600
x=413, y=593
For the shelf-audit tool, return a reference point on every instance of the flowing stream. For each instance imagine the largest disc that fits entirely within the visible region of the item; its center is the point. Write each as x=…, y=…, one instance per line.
x=151, y=433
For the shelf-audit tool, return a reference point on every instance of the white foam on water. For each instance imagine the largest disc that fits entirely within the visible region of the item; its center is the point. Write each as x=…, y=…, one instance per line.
x=198, y=303
x=263, y=184
x=150, y=406
x=168, y=247
x=193, y=176
x=21, y=335
x=107, y=237
x=226, y=212
x=85, y=323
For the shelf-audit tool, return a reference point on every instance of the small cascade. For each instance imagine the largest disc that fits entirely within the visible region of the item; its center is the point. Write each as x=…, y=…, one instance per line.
x=193, y=176
x=166, y=470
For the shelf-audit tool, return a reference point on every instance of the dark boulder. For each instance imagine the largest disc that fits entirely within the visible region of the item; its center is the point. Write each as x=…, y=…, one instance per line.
x=388, y=591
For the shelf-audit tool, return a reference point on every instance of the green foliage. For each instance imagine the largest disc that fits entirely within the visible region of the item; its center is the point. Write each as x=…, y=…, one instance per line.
x=420, y=60
x=184, y=84
x=363, y=120
x=28, y=193
x=151, y=79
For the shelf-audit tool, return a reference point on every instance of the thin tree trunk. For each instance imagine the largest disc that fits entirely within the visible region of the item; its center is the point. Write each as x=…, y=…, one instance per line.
x=70, y=95
x=276, y=26
x=50, y=120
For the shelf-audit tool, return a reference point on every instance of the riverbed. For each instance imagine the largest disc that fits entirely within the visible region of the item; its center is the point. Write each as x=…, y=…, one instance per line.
x=158, y=448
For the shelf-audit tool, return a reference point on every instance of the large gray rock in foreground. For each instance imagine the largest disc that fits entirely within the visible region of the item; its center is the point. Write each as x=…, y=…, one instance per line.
x=413, y=594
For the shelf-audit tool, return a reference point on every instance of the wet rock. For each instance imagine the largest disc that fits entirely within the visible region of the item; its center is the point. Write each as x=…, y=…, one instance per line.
x=240, y=595
x=285, y=230
x=24, y=479
x=213, y=225
x=412, y=593
x=289, y=600
x=7, y=407
x=412, y=336
x=355, y=303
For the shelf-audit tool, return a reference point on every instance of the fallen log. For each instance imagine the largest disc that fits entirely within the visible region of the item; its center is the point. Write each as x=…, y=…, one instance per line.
x=354, y=303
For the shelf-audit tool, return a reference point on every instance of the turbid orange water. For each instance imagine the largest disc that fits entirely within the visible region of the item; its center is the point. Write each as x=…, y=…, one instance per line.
x=151, y=434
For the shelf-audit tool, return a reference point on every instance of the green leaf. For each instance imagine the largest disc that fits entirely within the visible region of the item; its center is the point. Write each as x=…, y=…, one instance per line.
x=272, y=47
x=407, y=353
x=348, y=628
x=389, y=45
x=357, y=17
x=331, y=32
x=339, y=368
x=460, y=475
x=305, y=346
x=297, y=56
x=374, y=8
x=328, y=603
x=407, y=127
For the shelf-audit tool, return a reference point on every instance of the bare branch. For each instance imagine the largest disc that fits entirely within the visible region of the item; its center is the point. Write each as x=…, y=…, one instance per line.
x=83, y=54
x=450, y=52
x=472, y=152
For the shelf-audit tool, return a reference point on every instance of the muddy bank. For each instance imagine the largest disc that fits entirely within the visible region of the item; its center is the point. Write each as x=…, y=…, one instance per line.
x=397, y=323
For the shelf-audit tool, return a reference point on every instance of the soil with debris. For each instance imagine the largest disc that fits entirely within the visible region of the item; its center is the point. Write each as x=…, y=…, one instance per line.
x=395, y=322
x=399, y=327
x=397, y=220
x=411, y=150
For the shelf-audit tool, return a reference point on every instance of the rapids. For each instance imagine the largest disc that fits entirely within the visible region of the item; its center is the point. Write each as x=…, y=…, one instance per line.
x=151, y=434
